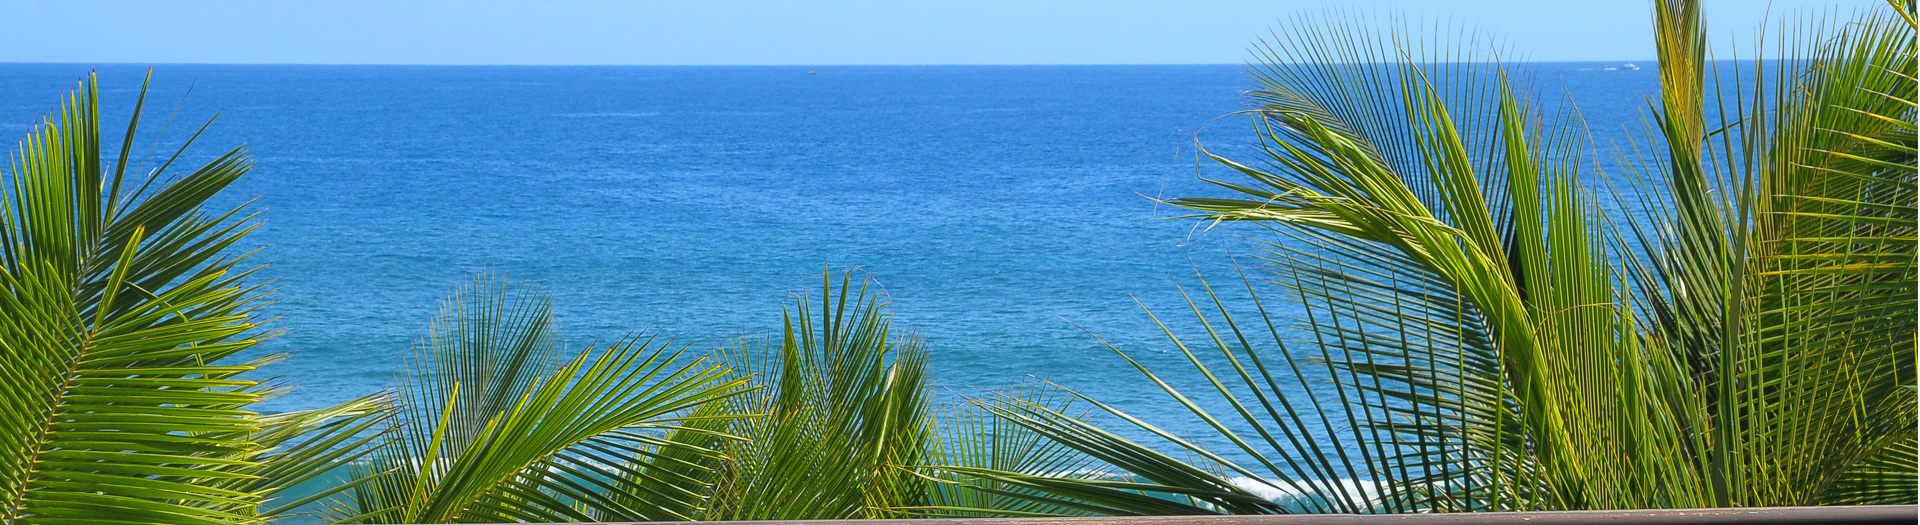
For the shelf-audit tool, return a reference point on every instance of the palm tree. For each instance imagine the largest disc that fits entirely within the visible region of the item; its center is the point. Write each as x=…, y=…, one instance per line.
x=122, y=306
x=493, y=427
x=1502, y=337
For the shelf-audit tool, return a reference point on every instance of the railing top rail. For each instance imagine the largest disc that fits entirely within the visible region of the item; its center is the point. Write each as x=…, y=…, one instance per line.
x=1851, y=515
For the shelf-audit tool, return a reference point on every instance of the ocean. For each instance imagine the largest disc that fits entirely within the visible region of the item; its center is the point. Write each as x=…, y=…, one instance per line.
x=1006, y=211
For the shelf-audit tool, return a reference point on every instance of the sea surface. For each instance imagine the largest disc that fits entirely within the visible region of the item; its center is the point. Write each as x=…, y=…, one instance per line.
x=1008, y=212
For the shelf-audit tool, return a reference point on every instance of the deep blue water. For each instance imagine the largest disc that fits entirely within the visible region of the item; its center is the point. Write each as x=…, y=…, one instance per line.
x=1004, y=209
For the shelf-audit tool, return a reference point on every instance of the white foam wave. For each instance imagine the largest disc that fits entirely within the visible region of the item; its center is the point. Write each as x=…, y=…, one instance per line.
x=1356, y=493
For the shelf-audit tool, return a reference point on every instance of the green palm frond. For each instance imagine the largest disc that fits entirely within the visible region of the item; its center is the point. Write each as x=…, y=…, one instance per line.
x=491, y=428
x=841, y=415
x=1498, y=342
x=121, y=305
x=975, y=445
x=1821, y=362
x=1416, y=283
x=311, y=447
x=1303, y=454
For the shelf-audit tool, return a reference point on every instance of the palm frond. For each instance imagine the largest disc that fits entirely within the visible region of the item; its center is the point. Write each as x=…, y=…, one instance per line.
x=117, y=310
x=312, y=448
x=975, y=445
x=842, y=415
x=492, y=429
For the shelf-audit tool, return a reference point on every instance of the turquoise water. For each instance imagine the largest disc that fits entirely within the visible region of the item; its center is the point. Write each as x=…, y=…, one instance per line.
x=1004, y=209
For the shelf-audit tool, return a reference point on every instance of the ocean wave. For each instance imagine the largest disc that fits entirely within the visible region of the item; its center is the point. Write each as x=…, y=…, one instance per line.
x=1312, y=496
x=1358, y=494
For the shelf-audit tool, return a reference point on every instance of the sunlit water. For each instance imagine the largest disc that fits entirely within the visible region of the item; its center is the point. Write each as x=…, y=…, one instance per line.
x=1005, y=210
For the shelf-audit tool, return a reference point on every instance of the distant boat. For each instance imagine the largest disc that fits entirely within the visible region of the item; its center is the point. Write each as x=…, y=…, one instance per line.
x=1630, y=67
x=813, y=73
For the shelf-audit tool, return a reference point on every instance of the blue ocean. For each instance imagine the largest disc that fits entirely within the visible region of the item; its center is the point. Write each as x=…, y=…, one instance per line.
x=1007, y=212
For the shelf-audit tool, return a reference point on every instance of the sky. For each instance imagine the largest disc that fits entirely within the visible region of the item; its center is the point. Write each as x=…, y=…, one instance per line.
x=790, y=32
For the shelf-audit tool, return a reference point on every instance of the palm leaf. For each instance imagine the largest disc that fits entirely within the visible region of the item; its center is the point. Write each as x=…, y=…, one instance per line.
x=116, y=309
x=492, y=429
x=975, y=446
x=841, y=416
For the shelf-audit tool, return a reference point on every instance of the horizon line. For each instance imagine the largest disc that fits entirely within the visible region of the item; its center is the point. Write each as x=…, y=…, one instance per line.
x=410, y=64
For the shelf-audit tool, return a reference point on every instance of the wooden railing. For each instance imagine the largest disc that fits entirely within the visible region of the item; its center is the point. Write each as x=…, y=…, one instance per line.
x=1859, y=515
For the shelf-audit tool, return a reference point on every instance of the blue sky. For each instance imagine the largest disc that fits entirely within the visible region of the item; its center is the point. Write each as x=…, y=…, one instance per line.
x=784, y=32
